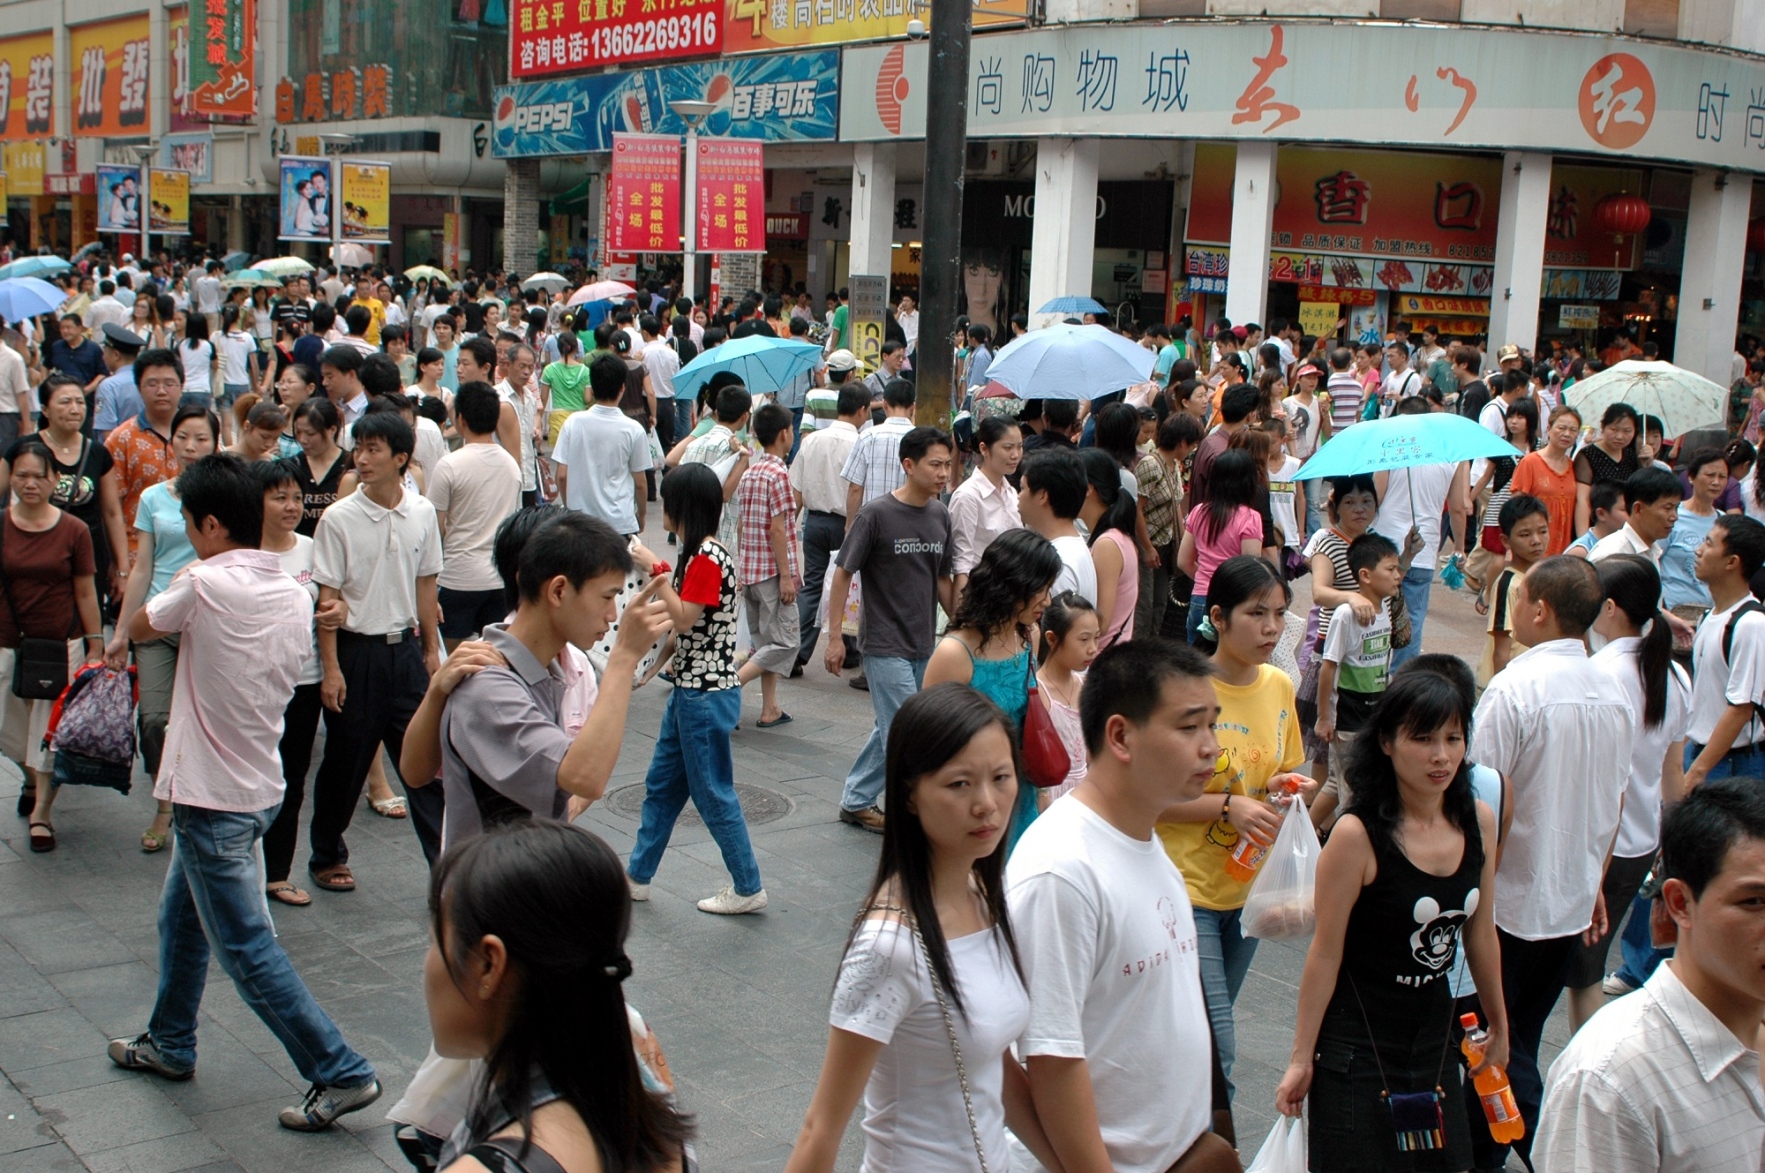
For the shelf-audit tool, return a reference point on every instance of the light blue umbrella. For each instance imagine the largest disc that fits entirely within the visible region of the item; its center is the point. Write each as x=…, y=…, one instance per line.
x=1403, y=441
x=234, y=261
x=764, y=364
x=1074, y=305
x=34, y=267
x=26, y=297
x=1070, y=362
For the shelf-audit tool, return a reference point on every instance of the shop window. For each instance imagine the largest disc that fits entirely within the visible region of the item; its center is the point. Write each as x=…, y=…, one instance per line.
x=446, y=56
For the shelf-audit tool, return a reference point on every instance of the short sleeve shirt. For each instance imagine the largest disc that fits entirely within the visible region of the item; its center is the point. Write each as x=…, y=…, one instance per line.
x=902, y=551
x=143, y=458
x=1363, y=653
x=704, y=654
x=40, y=569
x=477, y=487
x=763, y=494
x=373, y=556
x=162, y=515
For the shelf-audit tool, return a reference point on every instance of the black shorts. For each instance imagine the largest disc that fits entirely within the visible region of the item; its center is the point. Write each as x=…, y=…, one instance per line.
x=1624, y=877
x=464, y=613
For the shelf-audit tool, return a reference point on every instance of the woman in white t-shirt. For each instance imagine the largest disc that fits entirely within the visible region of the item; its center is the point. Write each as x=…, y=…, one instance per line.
x=930, y=996
x=201, y=363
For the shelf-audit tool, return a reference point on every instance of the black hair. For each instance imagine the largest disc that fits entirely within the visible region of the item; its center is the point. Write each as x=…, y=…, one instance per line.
x=1414, y=704
x=1104, y=476
x=1232, y=487
x=273, y=474
x=568, y=345
x=379, y=374
x=221, y=486
x=1743, y=538
x=1364, y=553
x=1238, y=580
x=899, y=393
x=1450, y=668
x=692, y=502
x=482, y=350
x=157, y=356
x=30, y=445
x=57, y=379
x=390, y=427
x=1571, y=587
x=1238, y=402
x=194, y=412
x=1015, y=567
x=993, y=429
x=733, y=402
x=1695, y=463
x=1699, y=830
x=1518, y=508
x=1060, y=414
x=556, y=897
x=1127, y=680
x=320, y=414
x=392, y=332
x=1647, y=485
x=511, y=539
x=476, y=406
x=606, y=378
x=769, y=422
x=1344, y=487
x=1527, y=410
x=1063, y=611
x=1179, y=427
x=1603, y=496
x=916, y=443
x=931, y=728
x=358, y=318
x=1061, y=474
x=195, y=329
x=852, y=399
x=1634, y=585
x=1118, y=433
x=571, y=544
x=342, y=357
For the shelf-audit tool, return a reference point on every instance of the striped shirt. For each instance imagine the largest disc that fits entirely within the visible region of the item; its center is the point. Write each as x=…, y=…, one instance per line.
x=875, y=460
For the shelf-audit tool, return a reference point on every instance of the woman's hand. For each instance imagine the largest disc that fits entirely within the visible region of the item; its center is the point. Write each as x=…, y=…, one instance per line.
x=1254, y=817
x=1325, y=729
x=1362, y=607
x=1495, y=1052
x=1290, y=1096
x=116, y=652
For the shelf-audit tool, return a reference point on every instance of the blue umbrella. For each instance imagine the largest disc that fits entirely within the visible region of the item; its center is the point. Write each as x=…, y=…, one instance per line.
x=1070, y=362
x=1404, y=441
x=26, y=297
x=764, y=364
x=34, y=267
x=1074, y=305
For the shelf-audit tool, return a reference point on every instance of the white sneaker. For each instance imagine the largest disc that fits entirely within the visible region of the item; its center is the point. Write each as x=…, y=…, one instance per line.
x=727, y=903
x=1616, y=986
x=639, y=892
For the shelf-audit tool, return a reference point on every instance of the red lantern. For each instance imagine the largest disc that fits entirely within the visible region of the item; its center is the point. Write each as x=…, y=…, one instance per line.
x=1756, y=236
x=1622, y=214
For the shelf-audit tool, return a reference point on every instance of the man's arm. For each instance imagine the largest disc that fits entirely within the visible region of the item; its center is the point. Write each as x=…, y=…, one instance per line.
x=1728, y=727
x=331, y=688
x=778, y=535
x=429, y=622
x=508, y=429
x=1061, y=1091
x=838, y=588
x=854, y=502
x=594, y=752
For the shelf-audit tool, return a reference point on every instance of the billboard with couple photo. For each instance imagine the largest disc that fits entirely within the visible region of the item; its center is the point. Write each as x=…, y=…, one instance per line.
x=308, y=202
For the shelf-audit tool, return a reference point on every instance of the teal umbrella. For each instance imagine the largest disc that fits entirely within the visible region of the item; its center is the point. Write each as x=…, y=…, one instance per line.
x=1403, y=441
x=764, y=364
x=34, y=267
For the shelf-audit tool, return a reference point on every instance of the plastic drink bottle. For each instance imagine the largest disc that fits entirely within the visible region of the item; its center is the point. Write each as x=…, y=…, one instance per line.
x=1250, y=851
x=1505, y=1124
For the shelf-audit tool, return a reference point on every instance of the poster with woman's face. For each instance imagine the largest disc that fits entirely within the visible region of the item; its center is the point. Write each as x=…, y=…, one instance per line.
x=983, y=287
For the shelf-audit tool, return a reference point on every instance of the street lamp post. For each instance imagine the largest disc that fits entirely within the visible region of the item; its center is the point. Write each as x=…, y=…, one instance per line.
x=693, y=113
x=946, y=145
x=336, y=142
x=143, y=154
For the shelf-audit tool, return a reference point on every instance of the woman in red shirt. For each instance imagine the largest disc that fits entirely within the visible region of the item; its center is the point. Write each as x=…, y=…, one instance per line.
x=1549, y=475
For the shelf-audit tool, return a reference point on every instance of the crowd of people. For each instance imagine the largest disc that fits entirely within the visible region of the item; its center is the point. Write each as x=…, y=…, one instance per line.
x=419, y=518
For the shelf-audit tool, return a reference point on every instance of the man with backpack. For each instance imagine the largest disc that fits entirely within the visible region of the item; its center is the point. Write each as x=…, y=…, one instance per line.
x=1728, y=657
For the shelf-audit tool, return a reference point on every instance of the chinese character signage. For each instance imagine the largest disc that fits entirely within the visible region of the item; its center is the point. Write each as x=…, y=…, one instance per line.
x=1444, y=87
x=365, y=190
x=27, y=86
x=222, y=64
x=23, y=164
x=177, y=31
x=363, y=91
x=119, y=198
x=109, y=63
x=788, y=97
x=731, y=185
x=643, y=194
x=168, y=201
x=797, y=24
x=306, y=198
x=569, y=36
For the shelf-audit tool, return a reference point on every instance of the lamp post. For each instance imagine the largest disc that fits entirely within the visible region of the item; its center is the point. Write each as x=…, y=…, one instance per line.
x=693, y=113
x=335, y=143
x=143, y=154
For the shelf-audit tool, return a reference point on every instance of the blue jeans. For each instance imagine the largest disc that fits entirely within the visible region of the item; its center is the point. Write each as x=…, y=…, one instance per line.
x=892, y=680
x=692, y=760
x=1225, y=959
x=1416, y=585
x=1197, y=612
x=796, y=433
x=683, y=417
x=214, y=901
x=1315, y=494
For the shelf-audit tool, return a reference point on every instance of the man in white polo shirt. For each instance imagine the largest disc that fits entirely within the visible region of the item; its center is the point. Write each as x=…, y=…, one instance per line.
x=600, y=453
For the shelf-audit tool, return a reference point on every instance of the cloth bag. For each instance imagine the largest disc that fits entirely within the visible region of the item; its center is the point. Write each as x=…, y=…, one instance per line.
x=1283, y=1151
x=1045, y=760
x=92, y=729
x=1283, y=897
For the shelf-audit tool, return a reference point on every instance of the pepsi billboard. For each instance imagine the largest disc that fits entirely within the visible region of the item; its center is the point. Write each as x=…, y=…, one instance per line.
x=789, y=97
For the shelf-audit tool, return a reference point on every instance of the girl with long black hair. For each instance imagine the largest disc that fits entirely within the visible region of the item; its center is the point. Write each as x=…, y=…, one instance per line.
x=1224, y=526
x=526, y=955
x=1404, y=878
x=1112, y=513
x=930, y=995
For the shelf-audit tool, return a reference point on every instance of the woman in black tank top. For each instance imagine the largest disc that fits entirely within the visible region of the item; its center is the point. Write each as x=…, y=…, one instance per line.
x=323, y=468
x=1402, y=881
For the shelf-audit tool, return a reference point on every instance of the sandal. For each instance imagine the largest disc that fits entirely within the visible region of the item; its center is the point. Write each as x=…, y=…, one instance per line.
x=390, y=808
x=782, y=719
x=152, y=841
x=288, y=894
x=45, y=841
x=335, y=879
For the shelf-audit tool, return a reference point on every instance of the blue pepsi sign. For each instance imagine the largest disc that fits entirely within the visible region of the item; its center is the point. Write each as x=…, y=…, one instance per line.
x=779, y=97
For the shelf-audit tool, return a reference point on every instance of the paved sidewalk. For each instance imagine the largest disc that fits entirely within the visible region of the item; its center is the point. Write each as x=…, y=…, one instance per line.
x=740, y=1003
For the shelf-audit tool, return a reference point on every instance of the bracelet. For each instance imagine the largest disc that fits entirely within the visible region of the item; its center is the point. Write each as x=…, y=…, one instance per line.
x=1226, y=808
x=99, y=635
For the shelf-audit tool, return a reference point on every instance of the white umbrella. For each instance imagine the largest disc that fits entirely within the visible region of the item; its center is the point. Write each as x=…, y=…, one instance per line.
x=1070, y=362
x=1682, y=400
x=251, y=279
x=550, y=282
x=284, y=266
x=352, y=255
x=418, y=272
x=601, y=291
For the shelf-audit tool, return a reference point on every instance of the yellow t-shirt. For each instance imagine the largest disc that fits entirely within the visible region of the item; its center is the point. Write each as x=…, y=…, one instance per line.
x=377, y=308
x=1501, y=618
x=1259, y=737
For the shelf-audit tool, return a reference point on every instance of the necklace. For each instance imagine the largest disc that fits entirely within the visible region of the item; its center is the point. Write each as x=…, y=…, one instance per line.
x=1056, y=692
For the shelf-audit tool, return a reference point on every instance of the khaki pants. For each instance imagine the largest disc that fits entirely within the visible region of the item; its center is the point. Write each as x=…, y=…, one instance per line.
x=774, y=626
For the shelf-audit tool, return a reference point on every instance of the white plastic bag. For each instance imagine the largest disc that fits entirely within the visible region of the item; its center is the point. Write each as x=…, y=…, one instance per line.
x=1282, y=900
x=1284, y=1149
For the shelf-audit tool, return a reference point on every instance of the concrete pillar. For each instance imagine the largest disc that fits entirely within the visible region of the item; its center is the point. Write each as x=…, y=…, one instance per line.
x=1519, y=249
x=159, y=75
x=1065, y=235
x=1253, y=217
x=1709, y=285
x=521, y=216
x=236, y=224
x=873, y=208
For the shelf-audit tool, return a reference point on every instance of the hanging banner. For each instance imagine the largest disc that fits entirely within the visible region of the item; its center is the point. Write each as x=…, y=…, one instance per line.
x=177, y=32
x=643, y=194
x=561, y=36
x=752, y=25
x=223, y=61
x=109, y=62
x=868, y=309
x=168, y=201
x=365, y=200
x=27, y=86
x=306, y=198
x=24, y=164
x=4, y=221
x=119, y=198
x=1318, y=318
x=189, y=152
x=731, y=185
x=450, y=241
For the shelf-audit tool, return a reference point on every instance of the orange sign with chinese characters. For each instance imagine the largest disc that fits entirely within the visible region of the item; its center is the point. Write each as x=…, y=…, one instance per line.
x=731, y=196
x=1617, y=101
x=643, y=194
x=27, y=86
x=109, y=62
x=357, y=92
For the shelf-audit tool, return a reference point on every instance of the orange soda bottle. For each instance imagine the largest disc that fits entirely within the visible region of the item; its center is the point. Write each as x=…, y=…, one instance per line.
x=1250, y=851
x=1505, y=1124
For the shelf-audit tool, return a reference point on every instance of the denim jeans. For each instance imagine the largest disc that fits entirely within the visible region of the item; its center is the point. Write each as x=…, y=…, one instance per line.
x=1315, y=517
x=892, y=680
x=822, y=535
x=214, y=901
x=1416, y=585
x=1225, y=954
x=1197, y=612
x=683, y=417
x=796, y=433
x=692, y=760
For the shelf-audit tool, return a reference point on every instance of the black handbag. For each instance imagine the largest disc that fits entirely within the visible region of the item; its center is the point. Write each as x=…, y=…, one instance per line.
x=39, y=667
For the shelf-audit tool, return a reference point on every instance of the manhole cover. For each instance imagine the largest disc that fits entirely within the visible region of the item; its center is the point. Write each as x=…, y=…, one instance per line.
x=759, y=805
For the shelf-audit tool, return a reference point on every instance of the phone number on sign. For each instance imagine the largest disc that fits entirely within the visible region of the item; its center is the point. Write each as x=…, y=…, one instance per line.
x=647, y=38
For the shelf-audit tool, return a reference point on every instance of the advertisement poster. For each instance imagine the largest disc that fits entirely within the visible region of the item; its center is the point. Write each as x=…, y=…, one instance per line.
x=27, y=86
x=168, y=201
x=789, y=97
x=119, y=198
x=365, y=192
x=223, y=61
x=306, y=198
x=643, y=194
x=731, y=186
x=189, y=152
x=450, y=241
x=24, y=164
x=109, y=62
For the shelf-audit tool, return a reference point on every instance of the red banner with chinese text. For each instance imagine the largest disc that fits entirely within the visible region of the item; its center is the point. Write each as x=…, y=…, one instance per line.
x=564, y=36
x=109, y=62
x=731, y=196
x=643, y=194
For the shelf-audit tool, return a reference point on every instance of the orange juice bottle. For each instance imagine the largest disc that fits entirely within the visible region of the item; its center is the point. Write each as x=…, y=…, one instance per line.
x=1505, y=1125
x=1250, y=851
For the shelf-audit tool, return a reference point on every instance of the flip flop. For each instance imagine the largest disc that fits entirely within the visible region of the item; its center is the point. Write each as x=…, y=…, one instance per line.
x=391, y=808
x=781, y=719
x=45, y=841
x=288, y=894
x=335, y=879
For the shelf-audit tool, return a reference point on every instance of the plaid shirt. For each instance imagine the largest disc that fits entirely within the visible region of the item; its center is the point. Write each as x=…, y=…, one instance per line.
x=763, y=494
x=875, y=460
x=1160, y=487
x=143, y=459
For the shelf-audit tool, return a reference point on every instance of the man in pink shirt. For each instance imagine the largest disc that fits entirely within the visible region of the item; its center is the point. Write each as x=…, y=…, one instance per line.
x=246, y=632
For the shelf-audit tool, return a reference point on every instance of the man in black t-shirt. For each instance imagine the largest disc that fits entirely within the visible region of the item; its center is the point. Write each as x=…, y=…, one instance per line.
x=1473, y=392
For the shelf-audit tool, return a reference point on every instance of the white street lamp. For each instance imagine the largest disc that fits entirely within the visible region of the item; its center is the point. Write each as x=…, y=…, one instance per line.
x=693, y=113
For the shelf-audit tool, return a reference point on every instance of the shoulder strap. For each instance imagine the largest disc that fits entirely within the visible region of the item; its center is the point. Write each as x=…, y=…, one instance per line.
x=1747, y=608
x=502, y=1154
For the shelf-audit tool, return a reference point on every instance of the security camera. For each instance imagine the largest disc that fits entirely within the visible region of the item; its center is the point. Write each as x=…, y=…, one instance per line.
x=916, y=28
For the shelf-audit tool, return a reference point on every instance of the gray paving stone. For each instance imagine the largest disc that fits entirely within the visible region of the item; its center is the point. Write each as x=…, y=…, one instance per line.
x=112, y=1116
